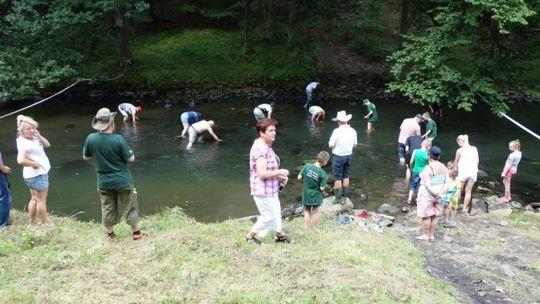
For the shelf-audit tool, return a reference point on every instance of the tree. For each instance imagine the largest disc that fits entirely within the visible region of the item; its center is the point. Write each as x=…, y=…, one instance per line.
x=467, y=56
x=42, y=43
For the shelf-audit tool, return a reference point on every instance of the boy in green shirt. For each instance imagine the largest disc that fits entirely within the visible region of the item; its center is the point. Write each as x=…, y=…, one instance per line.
x=371, y=116
x=314, y=183
x=431, y=127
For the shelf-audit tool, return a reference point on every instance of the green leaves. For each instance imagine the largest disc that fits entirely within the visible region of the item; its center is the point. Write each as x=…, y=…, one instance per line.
x=43, y=42
x=463, y=60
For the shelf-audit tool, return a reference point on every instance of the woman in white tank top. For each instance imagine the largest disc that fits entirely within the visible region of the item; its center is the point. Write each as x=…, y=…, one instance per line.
x=467, y=163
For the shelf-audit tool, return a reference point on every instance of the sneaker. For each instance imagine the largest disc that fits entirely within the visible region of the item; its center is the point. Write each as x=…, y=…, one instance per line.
x=282, y=239
x=252, y=240
x=111, y=236
x=137, y=235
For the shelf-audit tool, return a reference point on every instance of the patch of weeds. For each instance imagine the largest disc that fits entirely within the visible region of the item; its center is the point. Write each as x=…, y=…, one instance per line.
x=17, y=296
x=7, y=247
x=91, y=257
x=28, y=241
x=535, y=266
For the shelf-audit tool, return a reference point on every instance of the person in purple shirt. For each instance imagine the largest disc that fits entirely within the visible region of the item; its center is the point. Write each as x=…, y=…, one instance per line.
x=266, y=179
x=5, y=195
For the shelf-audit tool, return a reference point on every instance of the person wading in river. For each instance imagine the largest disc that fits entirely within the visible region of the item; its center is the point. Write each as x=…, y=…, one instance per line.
x=110, y=154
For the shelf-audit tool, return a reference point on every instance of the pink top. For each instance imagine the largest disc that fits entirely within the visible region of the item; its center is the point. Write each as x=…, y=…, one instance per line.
x=409, y=127
x=263, y=187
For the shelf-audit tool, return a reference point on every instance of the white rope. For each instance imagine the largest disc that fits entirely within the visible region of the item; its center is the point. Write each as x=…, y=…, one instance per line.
x=41, y=101
x=520, y=125
x=124, y=64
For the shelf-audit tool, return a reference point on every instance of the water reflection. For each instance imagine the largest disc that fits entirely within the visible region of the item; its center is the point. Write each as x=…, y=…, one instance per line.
x=132, y=133
x=212, y=181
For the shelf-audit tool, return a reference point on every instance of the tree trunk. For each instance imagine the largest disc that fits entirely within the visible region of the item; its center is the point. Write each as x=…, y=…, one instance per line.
x=268, y=12
x=247, y=45
x=123, y=32
x=290, y=23
x=404, y=27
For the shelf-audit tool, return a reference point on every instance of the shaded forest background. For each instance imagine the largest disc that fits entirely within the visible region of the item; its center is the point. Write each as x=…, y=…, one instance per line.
x=458, y=52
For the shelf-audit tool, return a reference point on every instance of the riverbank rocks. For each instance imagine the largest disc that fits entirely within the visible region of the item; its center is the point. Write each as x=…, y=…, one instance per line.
x=328, y=206
x=387, y=208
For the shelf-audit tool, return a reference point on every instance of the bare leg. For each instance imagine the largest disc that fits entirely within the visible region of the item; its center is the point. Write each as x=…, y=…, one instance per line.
x=426, y=222
x=315, y=216
x=468, y=193
x=185, y=126
x=41, y=205
x=307, y=216
x=346, y=182
x=506, y=182
x=433, y=224
x=32, y=209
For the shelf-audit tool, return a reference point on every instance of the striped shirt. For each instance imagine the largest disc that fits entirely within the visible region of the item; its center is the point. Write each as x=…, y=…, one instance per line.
x=263, y=187
x=409, y=127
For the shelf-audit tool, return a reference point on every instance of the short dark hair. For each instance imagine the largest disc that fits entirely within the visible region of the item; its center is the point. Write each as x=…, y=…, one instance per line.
x=263, y=124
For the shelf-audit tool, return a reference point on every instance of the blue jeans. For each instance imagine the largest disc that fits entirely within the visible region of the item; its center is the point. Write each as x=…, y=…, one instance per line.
x=5, y=201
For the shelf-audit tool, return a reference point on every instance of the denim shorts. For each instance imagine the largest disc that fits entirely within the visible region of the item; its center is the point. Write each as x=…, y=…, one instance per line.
x=341, y=167
x=39, y=183
x=415, y=181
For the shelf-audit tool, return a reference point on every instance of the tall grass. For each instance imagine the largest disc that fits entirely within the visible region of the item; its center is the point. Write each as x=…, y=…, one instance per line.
x=183, y=261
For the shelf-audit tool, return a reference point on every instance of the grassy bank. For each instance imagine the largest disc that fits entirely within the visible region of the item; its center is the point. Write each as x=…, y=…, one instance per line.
x=183, y=261
x=205, y=57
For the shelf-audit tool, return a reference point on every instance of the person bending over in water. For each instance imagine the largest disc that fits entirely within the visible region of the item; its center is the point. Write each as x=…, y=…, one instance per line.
x=197, y=130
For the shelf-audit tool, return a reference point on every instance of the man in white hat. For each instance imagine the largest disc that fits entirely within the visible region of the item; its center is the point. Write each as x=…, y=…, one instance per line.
x=342, y=142
x=110, y=154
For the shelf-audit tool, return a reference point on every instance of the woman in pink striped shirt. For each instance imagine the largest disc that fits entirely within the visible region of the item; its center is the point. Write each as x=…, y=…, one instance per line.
x=265, y=180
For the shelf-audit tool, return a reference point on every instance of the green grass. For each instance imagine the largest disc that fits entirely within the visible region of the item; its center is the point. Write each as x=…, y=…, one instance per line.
x=206, y=57
x=183, y=261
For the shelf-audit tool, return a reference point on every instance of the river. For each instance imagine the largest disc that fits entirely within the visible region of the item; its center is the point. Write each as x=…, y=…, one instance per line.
x=211, y=182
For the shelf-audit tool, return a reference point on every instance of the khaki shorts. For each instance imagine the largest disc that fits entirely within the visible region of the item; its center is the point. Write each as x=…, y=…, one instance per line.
x=116, y=203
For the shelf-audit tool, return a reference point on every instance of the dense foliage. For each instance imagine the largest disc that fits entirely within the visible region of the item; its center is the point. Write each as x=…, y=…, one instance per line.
x=43, y=42
x=458, y=52
x=473, y=52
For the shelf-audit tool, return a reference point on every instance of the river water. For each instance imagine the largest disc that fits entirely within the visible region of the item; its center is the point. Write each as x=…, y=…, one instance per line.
x=211, y=182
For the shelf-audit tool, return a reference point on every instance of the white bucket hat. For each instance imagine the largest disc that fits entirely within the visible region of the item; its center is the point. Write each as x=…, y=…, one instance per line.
x=103, y=119
x=342, y=116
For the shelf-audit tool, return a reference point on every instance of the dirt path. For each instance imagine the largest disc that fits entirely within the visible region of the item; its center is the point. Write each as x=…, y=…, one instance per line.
x=488, y=258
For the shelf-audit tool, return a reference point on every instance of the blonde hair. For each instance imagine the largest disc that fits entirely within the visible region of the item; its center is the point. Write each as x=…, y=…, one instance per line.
x=25, y=119
x=463, y=139
x=516, y=144
x=452, y=167
x=428, y=142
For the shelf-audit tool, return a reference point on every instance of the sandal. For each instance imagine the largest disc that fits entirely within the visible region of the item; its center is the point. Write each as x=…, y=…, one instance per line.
x=282, y=239
x=137, y=235
x=111, y=236
x=252, y=240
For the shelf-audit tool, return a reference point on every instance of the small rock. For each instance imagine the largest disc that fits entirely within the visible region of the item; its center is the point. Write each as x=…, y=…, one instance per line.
x=529, y=208
x=499, y=290
x=483, y=190
x=404, y=209
x=516, y=205
x=482, y=293
x=387, y=208
x=507, y=270
x=503, y=223
x=502, y=212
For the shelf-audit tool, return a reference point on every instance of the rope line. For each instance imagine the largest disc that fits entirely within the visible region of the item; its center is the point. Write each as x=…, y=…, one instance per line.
x=520, y=125
x=500, y=113
x=124, y=64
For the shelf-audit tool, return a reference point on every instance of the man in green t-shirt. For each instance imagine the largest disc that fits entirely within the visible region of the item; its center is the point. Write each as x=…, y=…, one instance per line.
x=431, y=127
x=110, y=153
x=371, y=116
x=314, y=183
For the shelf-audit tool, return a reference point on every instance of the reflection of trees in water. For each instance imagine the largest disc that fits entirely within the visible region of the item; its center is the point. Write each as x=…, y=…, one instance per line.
x=314, y=128
x=132, y=133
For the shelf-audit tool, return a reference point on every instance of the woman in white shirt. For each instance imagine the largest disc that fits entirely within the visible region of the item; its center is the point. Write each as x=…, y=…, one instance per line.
x=31, y=155
x=467, y=163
